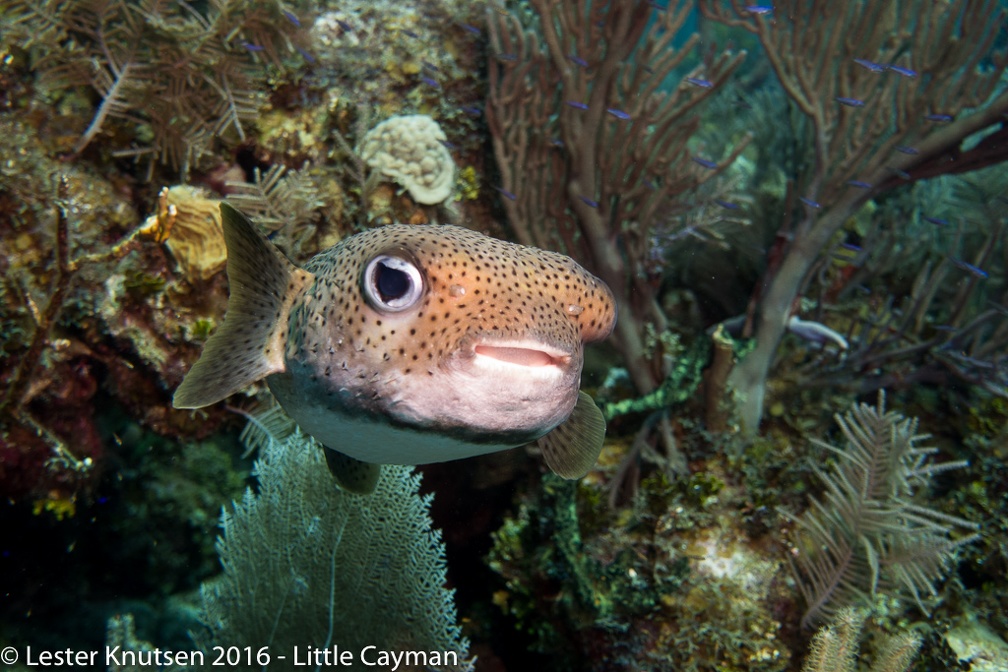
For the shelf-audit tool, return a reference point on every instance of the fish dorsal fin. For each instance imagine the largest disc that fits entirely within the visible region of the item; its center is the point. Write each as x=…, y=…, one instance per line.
x=572, y=448
x=249, y=345
x=351, y=474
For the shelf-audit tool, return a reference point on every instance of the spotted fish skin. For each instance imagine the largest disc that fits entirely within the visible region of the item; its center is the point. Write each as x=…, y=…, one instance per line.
x=411, y=344
x=478, y=291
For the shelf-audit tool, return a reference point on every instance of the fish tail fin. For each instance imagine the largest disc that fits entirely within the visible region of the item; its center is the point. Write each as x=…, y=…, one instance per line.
x=249, y=345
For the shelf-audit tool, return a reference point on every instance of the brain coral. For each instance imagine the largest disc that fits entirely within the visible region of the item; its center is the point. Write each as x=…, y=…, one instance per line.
x=410, y=150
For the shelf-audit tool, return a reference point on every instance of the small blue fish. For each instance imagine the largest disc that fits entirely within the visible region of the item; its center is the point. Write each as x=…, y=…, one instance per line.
x=309, y=59
x=902, y=174
x=759, y=9
x=575, y=104
x=809, y=202
x=907, y=150
x=850, y=102
x=939, y=117
x=429, y=81
x=706, y=163
x=292, y=18
x=589, y=202
x=937, y=221
x=975, y=270
x=448, y=145
x=410, y=33
x=430, y=66
x=506, y=194
x=859, y=184
x=727, y=205
x=619, y=114
x=577, y=60
x=471, y=28
x=697, y=81
x=966, y=266
x=871, y=66
x=900, y=70
x=508, y=57
x=253, y=47
x=471, y=110
x=850, y=246
x=557, y=142
x=344, y=26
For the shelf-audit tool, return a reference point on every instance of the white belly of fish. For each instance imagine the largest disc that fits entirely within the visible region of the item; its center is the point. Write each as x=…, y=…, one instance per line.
x=379, y=443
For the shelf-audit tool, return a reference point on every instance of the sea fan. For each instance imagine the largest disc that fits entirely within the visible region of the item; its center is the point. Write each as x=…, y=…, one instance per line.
x=309, y=565
x=868, y=536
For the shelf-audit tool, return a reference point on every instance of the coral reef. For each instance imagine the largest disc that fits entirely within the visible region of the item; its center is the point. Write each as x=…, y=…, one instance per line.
x=377, y=52
x=790, y=233
x=669, y=584
x=177, y=78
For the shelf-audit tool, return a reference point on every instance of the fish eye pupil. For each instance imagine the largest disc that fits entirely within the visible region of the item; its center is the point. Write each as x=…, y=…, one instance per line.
x=391, y=283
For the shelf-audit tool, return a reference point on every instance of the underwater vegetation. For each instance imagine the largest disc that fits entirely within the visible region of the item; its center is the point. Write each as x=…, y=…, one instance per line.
x=855, y=157
x=835, y=647
x=309, y=565
x=610, y=73
x=868, y=535
x=797, y=205
x=173, y=80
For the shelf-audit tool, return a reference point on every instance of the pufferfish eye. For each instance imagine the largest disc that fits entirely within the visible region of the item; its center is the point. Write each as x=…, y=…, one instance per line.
x=392, y=284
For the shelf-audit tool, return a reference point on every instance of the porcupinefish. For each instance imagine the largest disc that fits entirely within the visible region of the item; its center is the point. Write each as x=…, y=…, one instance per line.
x=410, y=345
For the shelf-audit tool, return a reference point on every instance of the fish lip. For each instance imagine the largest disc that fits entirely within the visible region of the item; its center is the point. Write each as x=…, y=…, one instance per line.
x=527, y=354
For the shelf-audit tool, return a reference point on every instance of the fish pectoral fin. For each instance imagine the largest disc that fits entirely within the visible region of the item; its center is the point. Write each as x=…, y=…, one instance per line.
x=249, y=345
x=352, y=475
x=573, y=447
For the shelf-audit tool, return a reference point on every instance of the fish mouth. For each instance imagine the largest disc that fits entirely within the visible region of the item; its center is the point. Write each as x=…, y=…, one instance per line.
x=532, y=355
